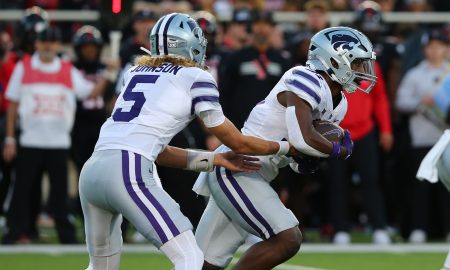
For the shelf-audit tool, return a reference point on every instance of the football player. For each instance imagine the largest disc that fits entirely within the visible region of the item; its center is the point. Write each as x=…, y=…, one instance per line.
x=160, y=96
x=436, y=167
x=243, y=203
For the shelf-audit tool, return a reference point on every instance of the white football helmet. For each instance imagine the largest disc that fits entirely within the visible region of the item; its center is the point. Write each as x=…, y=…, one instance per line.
x=178, y=34
x=346, y=55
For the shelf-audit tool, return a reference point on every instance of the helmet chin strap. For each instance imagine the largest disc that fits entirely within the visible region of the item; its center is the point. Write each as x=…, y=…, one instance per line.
x=328, y=68
x=347, y=87
x=146, y=50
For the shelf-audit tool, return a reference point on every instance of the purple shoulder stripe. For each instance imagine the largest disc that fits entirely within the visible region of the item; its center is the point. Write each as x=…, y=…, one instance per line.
x=307, y=76
x=305, y=89
x=203, y=85
x=201, y=99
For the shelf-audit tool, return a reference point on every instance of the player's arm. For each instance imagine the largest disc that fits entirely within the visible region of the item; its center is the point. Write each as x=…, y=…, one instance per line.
x=229, y=135
x=198, y=160
x=205, y=104
x=303, y=136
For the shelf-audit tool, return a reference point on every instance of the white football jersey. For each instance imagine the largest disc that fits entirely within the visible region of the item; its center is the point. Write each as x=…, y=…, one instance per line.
x=155, y=104
x=267, y=119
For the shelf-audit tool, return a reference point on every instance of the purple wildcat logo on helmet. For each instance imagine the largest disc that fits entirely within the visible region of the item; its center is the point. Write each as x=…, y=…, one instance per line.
x=344, y=40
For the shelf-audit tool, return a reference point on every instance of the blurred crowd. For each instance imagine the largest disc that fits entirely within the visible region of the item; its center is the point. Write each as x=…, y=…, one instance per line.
x=56, y=90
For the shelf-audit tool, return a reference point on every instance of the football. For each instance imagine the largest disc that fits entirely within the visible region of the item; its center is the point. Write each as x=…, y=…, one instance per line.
x=329, y=130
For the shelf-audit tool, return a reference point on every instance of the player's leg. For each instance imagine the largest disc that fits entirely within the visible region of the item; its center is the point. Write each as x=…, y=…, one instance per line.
x=154, y=213
x=183, y=251
x=271, y=252
x=103, y=236
x=218, y=237
x=101, y=222
x=252, y=203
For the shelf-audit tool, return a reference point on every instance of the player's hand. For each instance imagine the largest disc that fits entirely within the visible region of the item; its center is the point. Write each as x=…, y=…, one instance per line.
x=236, y=162
x=9, y=152
x=344, y=149
x=347, y=143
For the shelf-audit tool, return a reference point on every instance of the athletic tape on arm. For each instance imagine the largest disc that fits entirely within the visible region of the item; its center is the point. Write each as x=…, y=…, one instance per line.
x=296, y=137
x=200, y=160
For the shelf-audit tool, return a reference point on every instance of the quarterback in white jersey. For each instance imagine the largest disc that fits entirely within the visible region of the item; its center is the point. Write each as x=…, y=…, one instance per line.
x=160, y=96
x=244, y=203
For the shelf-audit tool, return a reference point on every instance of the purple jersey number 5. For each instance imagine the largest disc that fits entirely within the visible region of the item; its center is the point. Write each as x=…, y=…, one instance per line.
x=137, y=97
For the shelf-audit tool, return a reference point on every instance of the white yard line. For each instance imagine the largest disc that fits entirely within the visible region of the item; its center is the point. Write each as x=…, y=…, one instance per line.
x=306, y=248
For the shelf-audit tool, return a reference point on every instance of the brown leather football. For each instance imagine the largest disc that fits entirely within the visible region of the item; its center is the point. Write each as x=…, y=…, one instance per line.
x=329, y=130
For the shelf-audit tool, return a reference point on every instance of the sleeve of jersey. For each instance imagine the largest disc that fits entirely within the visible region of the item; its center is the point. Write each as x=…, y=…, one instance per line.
x=15, y=83
x=305, y=85
x=204, y=94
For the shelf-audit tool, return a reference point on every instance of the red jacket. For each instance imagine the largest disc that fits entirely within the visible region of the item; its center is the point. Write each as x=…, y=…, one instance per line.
x=6, y=70
x=366, y=110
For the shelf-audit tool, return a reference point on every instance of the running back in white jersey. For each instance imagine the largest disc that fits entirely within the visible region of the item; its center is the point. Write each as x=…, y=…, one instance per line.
x=267, y=119
x=154, y=105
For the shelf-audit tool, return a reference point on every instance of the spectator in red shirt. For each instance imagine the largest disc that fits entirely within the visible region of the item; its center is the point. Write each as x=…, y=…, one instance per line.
x=7, y=63
x=367, y=115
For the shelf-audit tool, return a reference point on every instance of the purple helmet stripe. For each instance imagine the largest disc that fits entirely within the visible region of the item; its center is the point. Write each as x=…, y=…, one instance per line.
x=151, y=198
x=305, y=89
x=157, y=37
x=248, y=203
x=166, y=27
x=306, y=75
x=137, y=201
x=235, y=203
x=202, y=99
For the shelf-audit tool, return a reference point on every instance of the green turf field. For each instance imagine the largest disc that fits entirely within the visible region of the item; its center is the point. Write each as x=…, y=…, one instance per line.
x=305, y=261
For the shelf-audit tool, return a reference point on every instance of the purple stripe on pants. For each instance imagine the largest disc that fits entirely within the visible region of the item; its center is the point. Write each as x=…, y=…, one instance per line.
x=152, y=199
x=137, y=201
x=248, y=203
x=235, y=203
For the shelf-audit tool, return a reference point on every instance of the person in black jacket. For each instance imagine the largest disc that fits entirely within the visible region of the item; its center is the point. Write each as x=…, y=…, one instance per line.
x=142, y=22
x=250, y=73
x=91, y=112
